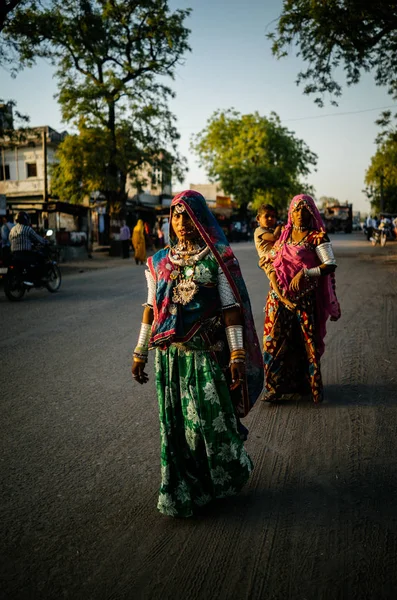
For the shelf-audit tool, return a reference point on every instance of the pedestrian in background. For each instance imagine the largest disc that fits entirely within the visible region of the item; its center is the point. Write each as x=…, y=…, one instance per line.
x=139, y=243
x=293, y=340
x=165, y=228
x=125, y=235
x=208, y=363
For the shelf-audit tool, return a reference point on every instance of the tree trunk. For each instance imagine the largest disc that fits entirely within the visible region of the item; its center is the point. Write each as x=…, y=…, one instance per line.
x=115, y=195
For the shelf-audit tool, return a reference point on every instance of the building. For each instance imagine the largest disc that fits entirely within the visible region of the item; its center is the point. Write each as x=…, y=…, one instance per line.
x=25, y=173
x=25, y=181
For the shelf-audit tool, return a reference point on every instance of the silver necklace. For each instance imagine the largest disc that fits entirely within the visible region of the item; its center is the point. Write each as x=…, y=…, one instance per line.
x=185, y=290
x=299, y=228
x=184, y=259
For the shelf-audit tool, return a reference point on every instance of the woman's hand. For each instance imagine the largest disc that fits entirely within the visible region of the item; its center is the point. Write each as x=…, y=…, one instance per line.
x=297, y=282
x=290, y=305
x=237, y=371
x=138, y=372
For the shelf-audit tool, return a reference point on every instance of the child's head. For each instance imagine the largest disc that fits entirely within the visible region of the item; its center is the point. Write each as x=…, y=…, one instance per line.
x=267, y=216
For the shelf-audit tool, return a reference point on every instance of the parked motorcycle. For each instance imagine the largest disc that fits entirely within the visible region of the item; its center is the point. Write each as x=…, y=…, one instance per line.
x=21, y=278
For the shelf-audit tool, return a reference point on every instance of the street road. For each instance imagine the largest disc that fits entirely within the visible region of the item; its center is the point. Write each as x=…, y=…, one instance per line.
x=80, y=455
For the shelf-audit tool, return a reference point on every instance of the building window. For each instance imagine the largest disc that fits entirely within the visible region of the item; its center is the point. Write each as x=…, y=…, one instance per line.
x=4, y=172
x=31, y=169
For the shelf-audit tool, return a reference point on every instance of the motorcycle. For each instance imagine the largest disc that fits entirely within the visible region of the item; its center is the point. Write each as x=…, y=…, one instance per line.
x=379, y=236
x=21, y=278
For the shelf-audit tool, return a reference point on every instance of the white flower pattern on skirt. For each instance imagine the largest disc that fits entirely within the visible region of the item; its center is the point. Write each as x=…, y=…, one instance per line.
x=202, y=454
x=166, y=505
x=219, y=423
x=219, y=475
x=210, y=393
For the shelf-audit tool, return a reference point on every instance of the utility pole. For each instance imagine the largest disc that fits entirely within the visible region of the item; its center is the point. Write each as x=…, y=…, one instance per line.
x=44, y=144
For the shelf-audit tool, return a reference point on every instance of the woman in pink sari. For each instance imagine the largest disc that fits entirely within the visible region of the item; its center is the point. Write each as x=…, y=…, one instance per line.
x=293, y=340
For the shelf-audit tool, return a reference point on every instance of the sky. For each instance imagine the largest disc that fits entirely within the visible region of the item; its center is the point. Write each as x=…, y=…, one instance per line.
x=231, y=65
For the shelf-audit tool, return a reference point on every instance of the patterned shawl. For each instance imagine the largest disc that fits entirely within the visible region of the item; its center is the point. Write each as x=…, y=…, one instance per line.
x=165, y=324
x=289, y=261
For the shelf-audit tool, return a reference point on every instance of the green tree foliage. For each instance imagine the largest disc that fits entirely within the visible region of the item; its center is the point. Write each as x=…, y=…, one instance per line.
x=6, y=9
x=381, y=175
x=13, y=124
x=354, y=35
x=84, y=159
x=112, y=57
x=254, y=158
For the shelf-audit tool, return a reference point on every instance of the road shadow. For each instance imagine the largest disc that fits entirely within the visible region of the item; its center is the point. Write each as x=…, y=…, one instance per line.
x=351, y=394
x=360, y=394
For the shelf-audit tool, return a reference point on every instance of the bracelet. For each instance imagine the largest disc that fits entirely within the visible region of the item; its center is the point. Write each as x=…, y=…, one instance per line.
x=313, y=272
x=237, y=354
x=144, y=335
x=139, y=359
x=325, y=253
x=236, y=361
x=234, y=335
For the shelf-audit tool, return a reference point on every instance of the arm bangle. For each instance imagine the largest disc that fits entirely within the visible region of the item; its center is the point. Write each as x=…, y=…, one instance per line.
x=144, y=335
x=325, y=253
x=313, y=272
x=234, y=335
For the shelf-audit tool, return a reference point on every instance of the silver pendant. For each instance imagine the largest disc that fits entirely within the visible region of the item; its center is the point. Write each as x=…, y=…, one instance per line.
x=184, y=292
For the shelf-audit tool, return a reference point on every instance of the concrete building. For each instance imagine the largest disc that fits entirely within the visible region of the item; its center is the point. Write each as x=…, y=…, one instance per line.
x=24, y=170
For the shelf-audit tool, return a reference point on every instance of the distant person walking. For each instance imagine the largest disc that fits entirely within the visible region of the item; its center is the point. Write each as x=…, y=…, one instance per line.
x=165, y=228
x=139, y=243
x=125, y=235
x=370, y=224
x=293, y=340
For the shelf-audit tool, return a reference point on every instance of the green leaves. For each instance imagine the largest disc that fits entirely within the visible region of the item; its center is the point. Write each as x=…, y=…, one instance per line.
x=381, y=175
x=253, y=157
x=358, y=36
x=109, y=55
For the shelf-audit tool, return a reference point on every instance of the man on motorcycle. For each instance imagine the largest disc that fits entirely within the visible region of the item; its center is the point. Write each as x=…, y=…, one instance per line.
x=22, y=237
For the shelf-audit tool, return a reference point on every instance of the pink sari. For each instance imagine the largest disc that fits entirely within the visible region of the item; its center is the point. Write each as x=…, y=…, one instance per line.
x=290, y=259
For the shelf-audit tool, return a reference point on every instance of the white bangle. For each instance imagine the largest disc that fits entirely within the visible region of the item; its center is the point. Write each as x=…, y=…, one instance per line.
x=326, y=254
x=313, y=272
x=234, y=335
x=144, y=335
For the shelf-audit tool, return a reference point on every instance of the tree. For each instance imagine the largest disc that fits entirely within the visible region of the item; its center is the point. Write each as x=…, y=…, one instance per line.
x=357, y=36
x=109, y=56
x=13, y=124
x=254, y=158
x=84, y=158
x=6, y=8
x=381, y=175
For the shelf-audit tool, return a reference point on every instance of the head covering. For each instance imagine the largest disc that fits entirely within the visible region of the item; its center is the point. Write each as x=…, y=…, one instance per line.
x=139, y=227
x=212, y=234
x=289, y=261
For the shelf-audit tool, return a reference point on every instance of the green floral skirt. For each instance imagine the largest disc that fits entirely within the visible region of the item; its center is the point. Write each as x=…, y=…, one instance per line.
x=202, y=454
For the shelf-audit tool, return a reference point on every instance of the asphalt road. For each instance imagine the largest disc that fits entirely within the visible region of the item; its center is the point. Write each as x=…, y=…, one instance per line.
x=80, y=455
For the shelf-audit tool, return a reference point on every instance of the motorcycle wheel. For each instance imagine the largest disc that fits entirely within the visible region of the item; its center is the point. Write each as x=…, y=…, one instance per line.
x=383, y=239
x=54, y=279
x=14, y=288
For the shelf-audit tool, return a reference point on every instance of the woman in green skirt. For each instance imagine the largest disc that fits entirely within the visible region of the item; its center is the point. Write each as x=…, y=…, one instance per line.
x=208, y=360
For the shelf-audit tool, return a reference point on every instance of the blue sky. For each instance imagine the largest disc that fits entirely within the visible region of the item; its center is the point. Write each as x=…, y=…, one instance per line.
x=231, y=65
